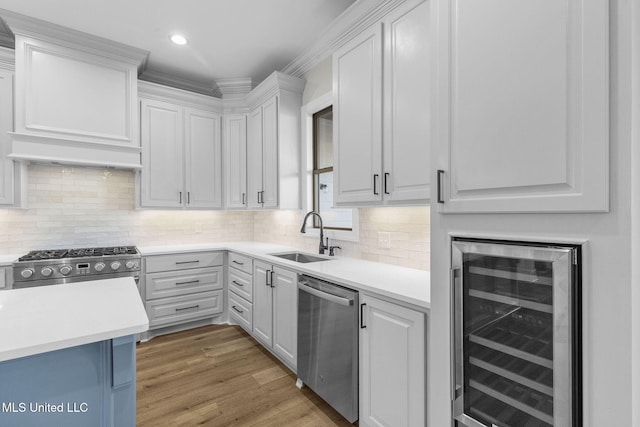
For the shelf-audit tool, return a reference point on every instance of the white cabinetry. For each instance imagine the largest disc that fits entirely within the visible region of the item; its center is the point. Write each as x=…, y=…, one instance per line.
x=240, y=283
x=273, y=143
x=521, y=114
x=392, y=365
x=76, y=96
x=182, y=164
x=6, y=277
x=235, y=160
x=275, y=310
x=183, y=287
x=12, y=176
x=372, y=167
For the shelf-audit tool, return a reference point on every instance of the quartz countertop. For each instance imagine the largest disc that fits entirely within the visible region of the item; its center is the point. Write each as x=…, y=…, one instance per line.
x=407, y=285
x=46, y=318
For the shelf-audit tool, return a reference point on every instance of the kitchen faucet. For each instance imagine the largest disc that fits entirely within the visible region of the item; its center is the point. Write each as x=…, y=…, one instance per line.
x=303, y=229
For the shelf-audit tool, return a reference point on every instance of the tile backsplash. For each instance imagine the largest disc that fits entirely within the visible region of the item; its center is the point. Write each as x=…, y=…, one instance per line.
x=71, y=206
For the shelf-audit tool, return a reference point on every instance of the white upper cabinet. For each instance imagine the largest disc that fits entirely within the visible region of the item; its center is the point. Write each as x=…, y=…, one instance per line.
x=273, y=143
x=76, y=96
x=6, y=125
x=381, y=112
x=235, y=160
x=521, y=114
x=357, y=116
x=181, y=150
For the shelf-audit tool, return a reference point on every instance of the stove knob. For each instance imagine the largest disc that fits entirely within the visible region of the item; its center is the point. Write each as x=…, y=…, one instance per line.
x=99, y=266
x=65, y=269
x=46, y=271
x=26, y=273
x=131, y=264
x=115, y=265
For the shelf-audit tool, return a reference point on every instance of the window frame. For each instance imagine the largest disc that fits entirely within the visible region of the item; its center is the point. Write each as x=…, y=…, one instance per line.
x=308, y=167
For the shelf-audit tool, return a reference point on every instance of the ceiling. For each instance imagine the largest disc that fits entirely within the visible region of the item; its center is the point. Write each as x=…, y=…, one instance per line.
x=226, y=38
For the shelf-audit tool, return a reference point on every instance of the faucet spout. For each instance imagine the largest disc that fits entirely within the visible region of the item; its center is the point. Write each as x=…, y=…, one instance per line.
x=303, y=229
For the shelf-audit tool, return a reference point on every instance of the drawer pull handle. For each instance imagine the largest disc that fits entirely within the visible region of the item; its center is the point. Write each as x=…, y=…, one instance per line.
x=188, y=283
x=187, y=262
x=236, y=283
x=237, y=262
x=188, y=308
x=237, y=309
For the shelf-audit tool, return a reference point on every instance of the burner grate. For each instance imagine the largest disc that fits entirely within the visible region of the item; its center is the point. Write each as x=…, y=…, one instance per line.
x=78, y=253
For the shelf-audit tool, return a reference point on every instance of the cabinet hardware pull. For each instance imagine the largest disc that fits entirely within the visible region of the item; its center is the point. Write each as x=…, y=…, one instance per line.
x=243, y=195
x=188, y=308
x=180, y=197
x=237, y=309
x=259, y=196
x=375, y=181
x=188, y=197
x=266, y=279
x=188, y=283
x=271, y=284
x=236, y=283
x=386, y=178
x=439, y=185
x=186, y=262
x=362, y=325
x=237, y=262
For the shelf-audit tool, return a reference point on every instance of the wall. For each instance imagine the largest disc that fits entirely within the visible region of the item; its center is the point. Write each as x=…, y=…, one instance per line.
x=81, y=207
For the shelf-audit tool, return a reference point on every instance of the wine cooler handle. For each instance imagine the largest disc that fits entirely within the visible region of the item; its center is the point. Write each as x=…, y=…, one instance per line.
x=456, y=324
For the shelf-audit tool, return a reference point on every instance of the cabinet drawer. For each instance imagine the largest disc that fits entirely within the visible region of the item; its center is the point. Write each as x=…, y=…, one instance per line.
x=241, y=283
x=241, y=262
x=175, y=283
x=180, y=309
x=183, y=261
x=240, y=312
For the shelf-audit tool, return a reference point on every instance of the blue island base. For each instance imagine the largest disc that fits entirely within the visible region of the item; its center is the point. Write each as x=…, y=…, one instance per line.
x=88, y=385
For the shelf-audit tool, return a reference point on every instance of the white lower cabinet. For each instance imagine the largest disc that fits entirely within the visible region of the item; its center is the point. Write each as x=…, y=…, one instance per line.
x=183, y=287
x=392, y=365
x=240, y=285
x=275, y=310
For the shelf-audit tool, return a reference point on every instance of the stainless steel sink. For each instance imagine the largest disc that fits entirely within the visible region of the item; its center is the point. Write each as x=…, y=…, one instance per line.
x=300, y=257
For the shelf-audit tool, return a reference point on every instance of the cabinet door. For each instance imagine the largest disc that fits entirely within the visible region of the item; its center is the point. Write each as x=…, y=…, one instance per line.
x=203, y=159
x=357, y=128
x=254, y=159
x=162, y=177
x=6, y=125
x=270, y=153
x=392, y=365
x=406, y=175
x=285, y=315
x=262, y=303
x=235, y=164
x=522, y=110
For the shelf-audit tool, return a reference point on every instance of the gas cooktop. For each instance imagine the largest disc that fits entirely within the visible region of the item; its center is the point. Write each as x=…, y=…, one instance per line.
x=78, y=253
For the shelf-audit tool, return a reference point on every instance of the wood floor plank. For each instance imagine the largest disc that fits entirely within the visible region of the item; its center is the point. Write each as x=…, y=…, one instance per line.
x=219, y=375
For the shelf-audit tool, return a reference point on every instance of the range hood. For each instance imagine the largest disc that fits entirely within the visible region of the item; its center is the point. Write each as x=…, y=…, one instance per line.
x=75, y=96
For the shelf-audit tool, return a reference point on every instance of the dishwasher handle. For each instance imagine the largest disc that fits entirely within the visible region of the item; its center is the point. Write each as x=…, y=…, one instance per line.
x=302, y=285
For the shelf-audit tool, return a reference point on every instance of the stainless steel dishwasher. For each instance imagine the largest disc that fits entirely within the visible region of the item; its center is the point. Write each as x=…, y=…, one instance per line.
x=328, y=343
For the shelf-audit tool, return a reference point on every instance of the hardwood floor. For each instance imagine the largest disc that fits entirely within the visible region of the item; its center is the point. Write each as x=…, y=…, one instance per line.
x=219, y=375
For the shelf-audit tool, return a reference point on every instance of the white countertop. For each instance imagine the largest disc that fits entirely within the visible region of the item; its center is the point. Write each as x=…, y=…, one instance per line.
x=46, y=318
x=407, y=285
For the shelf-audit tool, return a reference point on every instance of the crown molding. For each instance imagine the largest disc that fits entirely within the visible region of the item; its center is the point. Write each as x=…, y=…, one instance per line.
x=160, y=77
x=234, y=87
x=26, y=26
x=7, y=59
x=186, y=98
x=6, y=37
x=276, y=82
x=358, y=17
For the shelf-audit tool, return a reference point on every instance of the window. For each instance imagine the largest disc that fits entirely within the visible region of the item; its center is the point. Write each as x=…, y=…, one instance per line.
x=333, y=218
x=317, y=156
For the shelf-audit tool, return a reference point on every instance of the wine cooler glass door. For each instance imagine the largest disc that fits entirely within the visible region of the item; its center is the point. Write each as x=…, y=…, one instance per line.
x=512, y=334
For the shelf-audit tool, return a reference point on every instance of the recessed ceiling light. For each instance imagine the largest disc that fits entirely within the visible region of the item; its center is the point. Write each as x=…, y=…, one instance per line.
x=178, y=39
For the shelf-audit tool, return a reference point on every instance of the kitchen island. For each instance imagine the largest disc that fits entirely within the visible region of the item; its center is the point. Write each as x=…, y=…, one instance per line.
x=67, y=353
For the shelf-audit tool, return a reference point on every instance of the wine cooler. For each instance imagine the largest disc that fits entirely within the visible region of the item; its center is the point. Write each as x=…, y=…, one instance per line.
x=516, y=334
